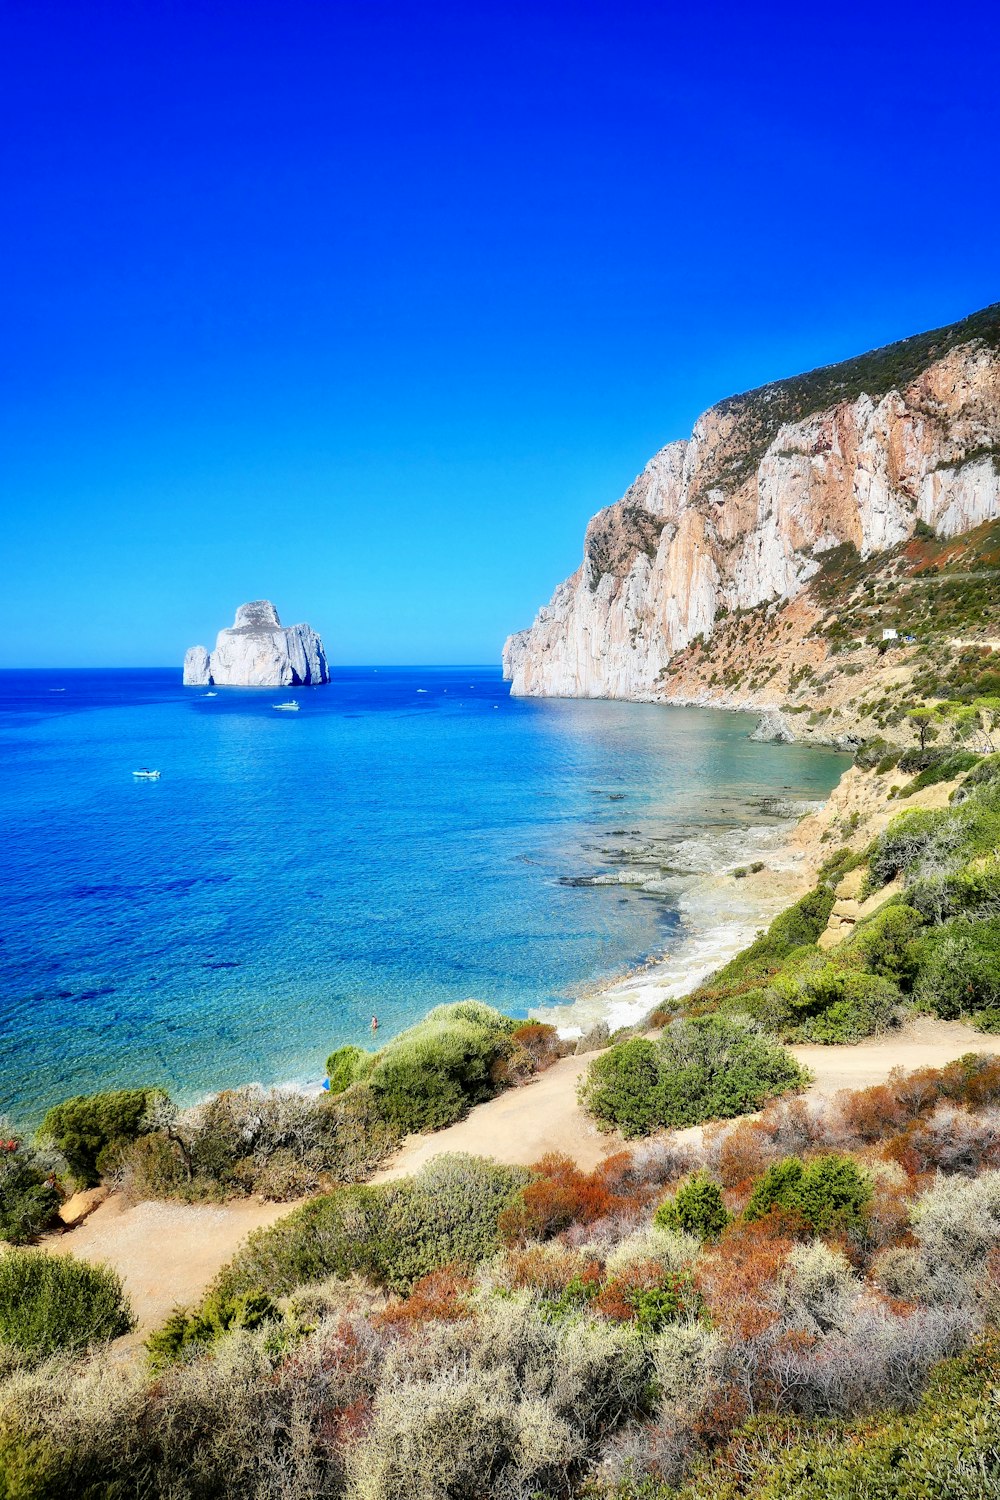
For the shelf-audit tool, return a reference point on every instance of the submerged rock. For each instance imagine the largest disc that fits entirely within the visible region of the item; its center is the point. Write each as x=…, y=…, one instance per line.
x=258, y=651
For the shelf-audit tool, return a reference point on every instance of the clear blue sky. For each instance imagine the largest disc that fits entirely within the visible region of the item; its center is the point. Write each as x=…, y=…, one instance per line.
x=368, y=307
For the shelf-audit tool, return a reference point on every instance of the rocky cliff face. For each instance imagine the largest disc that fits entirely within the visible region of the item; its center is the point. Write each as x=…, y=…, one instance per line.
x=741, y=514
x=258, y=651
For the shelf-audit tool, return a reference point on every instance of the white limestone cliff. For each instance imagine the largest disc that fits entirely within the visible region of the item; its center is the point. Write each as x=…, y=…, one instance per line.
x=258, y=651
x=740, y=514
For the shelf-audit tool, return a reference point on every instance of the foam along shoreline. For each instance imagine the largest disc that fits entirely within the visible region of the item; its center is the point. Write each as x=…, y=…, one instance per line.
x=720, y=915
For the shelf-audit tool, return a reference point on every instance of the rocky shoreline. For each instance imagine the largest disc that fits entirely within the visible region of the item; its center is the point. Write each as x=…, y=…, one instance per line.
x=858, y=808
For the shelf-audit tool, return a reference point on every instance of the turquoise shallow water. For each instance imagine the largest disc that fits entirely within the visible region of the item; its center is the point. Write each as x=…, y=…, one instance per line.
x=411, y=836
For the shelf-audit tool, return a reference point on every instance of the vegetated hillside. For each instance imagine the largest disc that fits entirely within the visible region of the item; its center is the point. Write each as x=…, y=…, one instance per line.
x=803, y=1303
x=822, y=654
x=829, y=476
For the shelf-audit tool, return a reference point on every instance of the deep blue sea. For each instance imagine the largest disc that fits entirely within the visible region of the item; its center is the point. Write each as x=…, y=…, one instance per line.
x=411, y=836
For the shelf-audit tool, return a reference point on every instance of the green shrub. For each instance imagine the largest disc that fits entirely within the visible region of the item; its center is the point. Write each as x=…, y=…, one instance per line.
x=428, y=1076
x=53, y=1302
x=276, y=1143
x=903, y=842
x=393, y=1233
x=830, y=1005
x=868, y=755
x=972, y=892
x=960, y=971
x=778, y=1188
x=830, y=1192
x=621, y=1087
x=803, y=922
x=675, y=1300
x=921, y=758
x=949, y=1449
x=884, y=943
x=346, y=1066
x=29, y=1197
x=986, y=770
x=337, y=1234
x=708, y=1068
x=84, y=1127
x=187, y=1333
x=796, y=927
x=838, y=864
x=362, y=1136
x=948, y=769
x=446, y=1214
x=696, y=1207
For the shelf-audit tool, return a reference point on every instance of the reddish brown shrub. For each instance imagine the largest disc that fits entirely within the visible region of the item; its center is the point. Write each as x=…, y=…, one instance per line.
x=440, y=1296
x=792, y=1127
x=743, y=1153
x=559, y=1196
x=650, y=1297
x=735, y=1277
x=901, y=1150
x=887, y=1221
x=616, y=1300
x=917, y=1092
x=868, y=1115
x=617, y=1174
x=541, y=1041
x=983, y=1086
x=550, y=1273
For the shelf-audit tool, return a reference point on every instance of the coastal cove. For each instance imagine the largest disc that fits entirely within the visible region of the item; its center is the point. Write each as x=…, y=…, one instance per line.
x=411, y=837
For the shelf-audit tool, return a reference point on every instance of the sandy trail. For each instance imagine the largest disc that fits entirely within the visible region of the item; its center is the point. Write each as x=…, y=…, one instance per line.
x=165, y=1253
x=520, y=1126
x=169, y=1253
x=923, y=1043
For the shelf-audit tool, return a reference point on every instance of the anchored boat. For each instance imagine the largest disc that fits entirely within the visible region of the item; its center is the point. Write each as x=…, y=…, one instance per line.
x=145, y=775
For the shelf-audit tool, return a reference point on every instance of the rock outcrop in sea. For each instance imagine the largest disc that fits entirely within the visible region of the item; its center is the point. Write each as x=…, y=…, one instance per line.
x=903, y=441
x=258, y=651
x=773, y=729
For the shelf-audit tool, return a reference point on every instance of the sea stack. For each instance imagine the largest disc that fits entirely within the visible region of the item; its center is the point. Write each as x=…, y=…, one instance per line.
x=258, y=651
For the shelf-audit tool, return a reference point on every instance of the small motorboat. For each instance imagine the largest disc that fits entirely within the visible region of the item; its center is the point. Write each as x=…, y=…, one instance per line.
x=291, y=707
x=145, y=775
x=209, y=695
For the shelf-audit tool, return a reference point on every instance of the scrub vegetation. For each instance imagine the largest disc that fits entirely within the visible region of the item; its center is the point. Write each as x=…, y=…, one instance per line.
x=761, y=413
x=802, y=1303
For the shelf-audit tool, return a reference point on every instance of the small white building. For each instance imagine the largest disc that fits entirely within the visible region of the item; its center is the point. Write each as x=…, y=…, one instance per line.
x=890, y=635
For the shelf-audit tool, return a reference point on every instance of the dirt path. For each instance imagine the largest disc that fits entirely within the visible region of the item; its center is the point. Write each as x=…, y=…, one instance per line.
x=923, y=1043
x=518, y=1127
x=169, y=1253
x=165, y=1253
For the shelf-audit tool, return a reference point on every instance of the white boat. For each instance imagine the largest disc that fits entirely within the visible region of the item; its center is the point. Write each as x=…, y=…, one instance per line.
x=291, y=707
x=145, y=775
x=209, y=695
